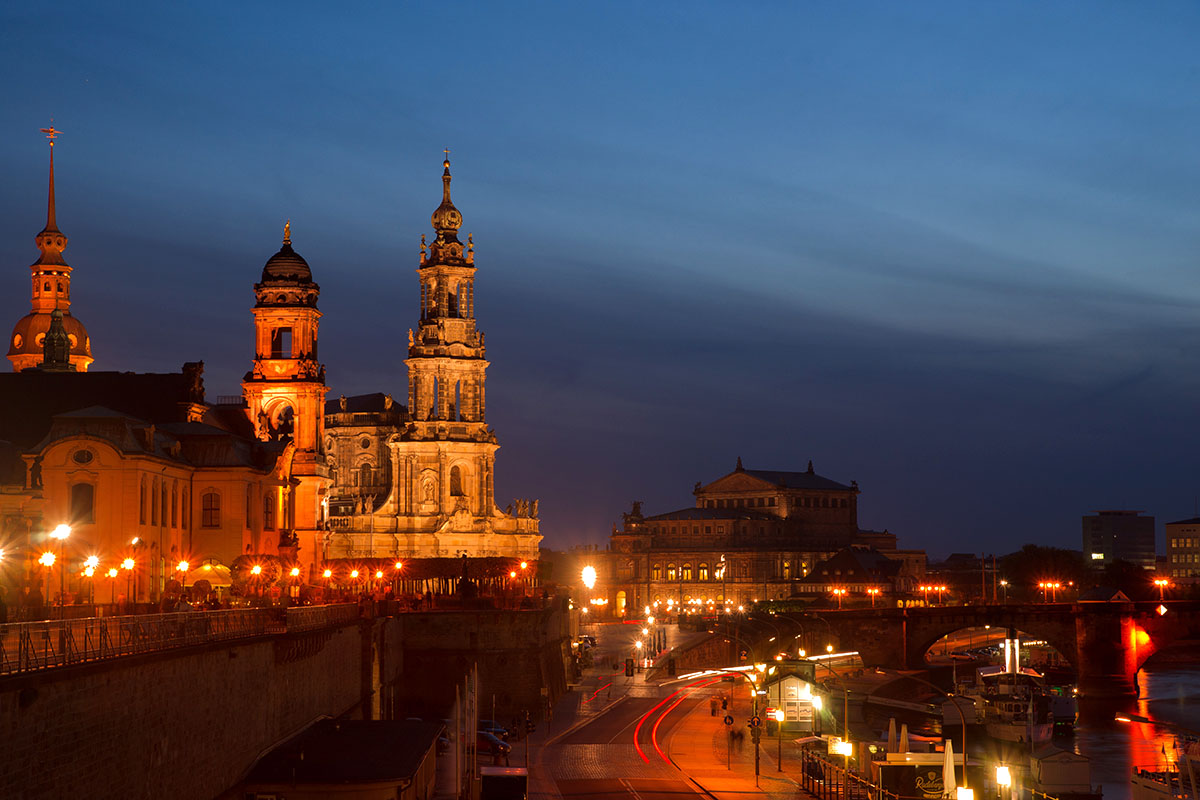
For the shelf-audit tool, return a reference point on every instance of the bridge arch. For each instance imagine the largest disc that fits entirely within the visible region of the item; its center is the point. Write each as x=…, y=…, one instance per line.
x=1057, y=634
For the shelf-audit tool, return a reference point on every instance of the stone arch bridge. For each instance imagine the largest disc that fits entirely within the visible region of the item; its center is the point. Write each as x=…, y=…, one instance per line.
x=1106, y=643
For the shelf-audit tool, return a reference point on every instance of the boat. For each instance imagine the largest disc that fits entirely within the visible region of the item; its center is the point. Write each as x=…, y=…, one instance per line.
x=1175, y=781
x=1011, y=702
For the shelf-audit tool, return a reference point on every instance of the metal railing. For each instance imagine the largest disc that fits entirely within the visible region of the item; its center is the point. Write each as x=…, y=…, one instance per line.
x=826, y=778
x=309, y=618
x=34, y=646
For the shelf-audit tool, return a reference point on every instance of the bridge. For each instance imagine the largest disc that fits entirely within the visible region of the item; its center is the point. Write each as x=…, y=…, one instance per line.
x=1106, y=643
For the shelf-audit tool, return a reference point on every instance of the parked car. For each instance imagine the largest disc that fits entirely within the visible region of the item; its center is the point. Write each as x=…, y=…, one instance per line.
x=494, y=728
x=487, y=743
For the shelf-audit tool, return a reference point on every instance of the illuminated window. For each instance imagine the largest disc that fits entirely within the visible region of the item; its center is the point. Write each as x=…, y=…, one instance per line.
x=670, y=572
x=210, y=510
x=656, y=572
x=702, y=571
x=687, y=572
x=787, y=570
x=1097, y=556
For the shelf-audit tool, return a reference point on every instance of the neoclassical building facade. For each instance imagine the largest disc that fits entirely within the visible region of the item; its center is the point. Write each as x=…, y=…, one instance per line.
x=751, y=535
x=420, y=481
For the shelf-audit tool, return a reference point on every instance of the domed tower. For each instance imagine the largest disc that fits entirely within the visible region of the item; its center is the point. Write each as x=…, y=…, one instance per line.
x=285, y=389
x=51, y=277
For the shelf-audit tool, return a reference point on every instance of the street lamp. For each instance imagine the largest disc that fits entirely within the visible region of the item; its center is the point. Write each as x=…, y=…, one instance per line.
x=874, y=592
x=128, y=565
x=112, y=585
x=1004, y=586
x=90, y=565
x=182, y=568
x=839, y=593
x=1003, y=779
x=61, y=533
x=779, y=730
x=1162, y=584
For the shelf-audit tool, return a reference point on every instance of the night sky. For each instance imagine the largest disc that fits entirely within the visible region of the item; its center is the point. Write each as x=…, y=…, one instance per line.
x=950, y=251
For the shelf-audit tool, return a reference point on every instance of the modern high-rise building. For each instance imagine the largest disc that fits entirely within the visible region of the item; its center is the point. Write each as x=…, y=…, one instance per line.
x=1110, y=536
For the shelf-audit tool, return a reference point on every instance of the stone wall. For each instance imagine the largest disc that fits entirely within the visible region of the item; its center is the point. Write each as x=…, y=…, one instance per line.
x=518, y=653
x=181, y=724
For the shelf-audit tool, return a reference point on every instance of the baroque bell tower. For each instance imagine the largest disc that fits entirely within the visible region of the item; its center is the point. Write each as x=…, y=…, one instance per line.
x=285, y=389
x=447, y=374
x=51, y=279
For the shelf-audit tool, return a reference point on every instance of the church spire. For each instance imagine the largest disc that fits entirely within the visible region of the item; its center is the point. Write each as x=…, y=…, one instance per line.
x=446, y=218
x=50, y=240
x=51, y=222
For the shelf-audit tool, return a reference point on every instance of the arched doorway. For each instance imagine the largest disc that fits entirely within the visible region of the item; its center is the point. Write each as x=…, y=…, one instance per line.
x=621, y=603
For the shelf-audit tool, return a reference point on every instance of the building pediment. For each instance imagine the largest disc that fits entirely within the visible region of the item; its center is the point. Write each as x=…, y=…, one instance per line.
x=736, y=482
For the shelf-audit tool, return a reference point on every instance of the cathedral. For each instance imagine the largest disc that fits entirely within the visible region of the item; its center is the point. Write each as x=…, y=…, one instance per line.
x=154, y=481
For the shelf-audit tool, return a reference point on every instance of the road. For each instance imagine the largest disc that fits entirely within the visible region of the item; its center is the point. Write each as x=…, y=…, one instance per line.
x=621, y=749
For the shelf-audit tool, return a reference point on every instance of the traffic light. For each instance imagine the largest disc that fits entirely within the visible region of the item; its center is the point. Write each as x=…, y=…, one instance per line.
x=629, y=667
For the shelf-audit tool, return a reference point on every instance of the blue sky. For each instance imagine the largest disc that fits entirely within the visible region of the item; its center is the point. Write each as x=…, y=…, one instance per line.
x=947, y=250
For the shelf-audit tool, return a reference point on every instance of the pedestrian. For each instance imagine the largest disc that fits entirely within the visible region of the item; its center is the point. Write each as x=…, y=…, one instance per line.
x=712, y=706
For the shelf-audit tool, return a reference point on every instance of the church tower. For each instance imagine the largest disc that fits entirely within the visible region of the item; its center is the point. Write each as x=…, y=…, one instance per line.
x=285, y=389
x=447, y=370
x=51, y=279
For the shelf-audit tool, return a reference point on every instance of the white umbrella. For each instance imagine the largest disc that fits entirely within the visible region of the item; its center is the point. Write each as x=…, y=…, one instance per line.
x=903, y=748
x=948, y=784
x=891, y=740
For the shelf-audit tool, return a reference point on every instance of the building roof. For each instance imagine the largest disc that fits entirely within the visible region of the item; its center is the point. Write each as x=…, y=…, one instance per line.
x=374, y=403
x=797, y=480
x=347, y=752
x=711, y=513
x=1192, y=521
x=30, y=400
x=853, y=564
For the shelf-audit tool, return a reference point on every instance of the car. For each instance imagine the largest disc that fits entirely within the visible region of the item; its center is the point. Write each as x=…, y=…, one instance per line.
x=487, y=743
x=591, y=640
x=494, y=728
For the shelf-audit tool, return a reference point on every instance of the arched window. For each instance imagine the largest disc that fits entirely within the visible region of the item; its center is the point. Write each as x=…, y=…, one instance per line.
x=83, y=497
x=46, y=286
x=142, y=503
x=269, y=511
x=787, y=570
x=687, y=572
x=154, y=503
x=456, y=489
x=184, y=509
x=249, y=506
x=656, y=572
x=365, y=475
x=702, y=571
x=175, y=504
x=210, y=510
x=670, y=572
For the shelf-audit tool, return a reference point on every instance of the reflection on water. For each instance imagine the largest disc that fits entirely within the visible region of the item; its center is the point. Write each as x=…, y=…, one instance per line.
x=1114, y=748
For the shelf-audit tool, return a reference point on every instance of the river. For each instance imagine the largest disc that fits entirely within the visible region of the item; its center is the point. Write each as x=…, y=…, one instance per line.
x=1114, y=748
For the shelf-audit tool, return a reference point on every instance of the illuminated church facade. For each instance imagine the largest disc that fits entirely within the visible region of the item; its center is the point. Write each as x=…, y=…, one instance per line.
x=419, y=481
x=143, y=467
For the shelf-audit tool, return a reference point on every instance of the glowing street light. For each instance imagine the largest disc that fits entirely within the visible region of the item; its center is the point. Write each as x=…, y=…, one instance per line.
x=589, y=576
x=1162, y=584
x=1004, y=586
x=874, y=592
x=839, y=593
x=61, y=533
x=295, y=573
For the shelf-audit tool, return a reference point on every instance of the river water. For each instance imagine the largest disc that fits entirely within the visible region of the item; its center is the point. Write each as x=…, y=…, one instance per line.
x=1114, y=748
